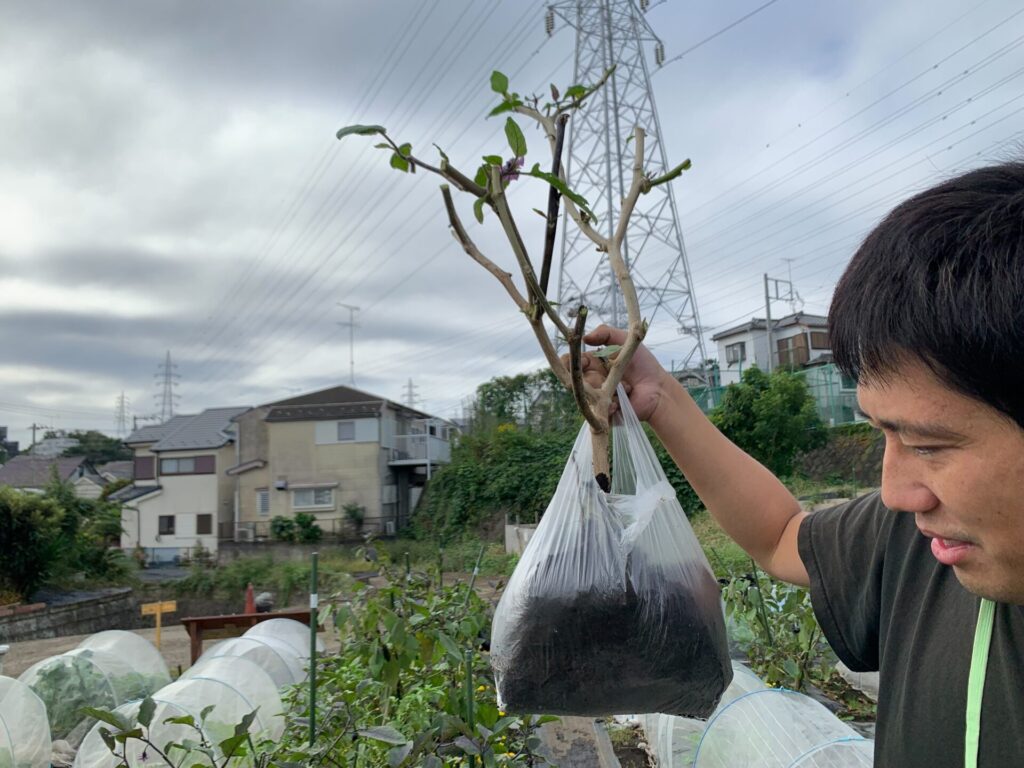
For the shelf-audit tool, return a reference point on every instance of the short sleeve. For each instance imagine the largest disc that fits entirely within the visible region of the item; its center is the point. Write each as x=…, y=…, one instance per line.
x=843, y=549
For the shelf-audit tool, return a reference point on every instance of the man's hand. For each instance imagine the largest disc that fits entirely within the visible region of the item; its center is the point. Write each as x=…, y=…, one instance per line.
x=644, y=379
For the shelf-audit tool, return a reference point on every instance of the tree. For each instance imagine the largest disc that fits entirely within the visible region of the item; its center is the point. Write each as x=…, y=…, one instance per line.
x=771, y=417
x=30, y=528
x=98, y=448
x=536, y=401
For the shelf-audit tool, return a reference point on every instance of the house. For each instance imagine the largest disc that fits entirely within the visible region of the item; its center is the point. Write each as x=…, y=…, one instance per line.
x=796, y=340
x=8, y=447
x=116, y=470
x=33, y=473
x=325, y=450
x=181, y=494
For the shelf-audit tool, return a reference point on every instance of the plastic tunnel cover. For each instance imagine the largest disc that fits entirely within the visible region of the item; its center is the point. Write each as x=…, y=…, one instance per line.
x=85, y=678
x=275, y=657
x=295, y=633
x=843, y=753
x=145, y=658
x=181, y=698
x=24, y=730
x=768, y=729
x=674, y=739
x=249, y=681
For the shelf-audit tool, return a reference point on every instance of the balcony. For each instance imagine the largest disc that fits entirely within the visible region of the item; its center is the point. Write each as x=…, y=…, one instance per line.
x=411, y=450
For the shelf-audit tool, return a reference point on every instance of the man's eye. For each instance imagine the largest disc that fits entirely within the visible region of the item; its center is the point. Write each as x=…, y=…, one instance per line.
x=925, y=450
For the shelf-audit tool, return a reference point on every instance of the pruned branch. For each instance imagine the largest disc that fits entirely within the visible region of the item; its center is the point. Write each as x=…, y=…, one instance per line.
x=579, y=387
x=463, y=238
x=554, y=197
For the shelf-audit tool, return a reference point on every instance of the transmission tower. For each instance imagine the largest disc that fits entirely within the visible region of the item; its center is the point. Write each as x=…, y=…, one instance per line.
x=121, y=415
x=167, y=380
x=411, y=398
x=599, y=167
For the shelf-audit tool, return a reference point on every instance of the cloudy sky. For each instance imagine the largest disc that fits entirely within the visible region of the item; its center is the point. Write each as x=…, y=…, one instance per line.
x=170, y=181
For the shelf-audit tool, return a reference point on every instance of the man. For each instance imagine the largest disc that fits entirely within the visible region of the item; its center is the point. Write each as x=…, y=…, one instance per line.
x=929, y=318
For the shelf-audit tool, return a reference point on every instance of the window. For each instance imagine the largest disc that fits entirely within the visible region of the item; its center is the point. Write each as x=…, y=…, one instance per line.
x=263, y=501
x=166, y=525
x=204, y=525
x=847, y=382
x=735, y=353
x=819, y=340
x=144, y=468
x=312, y=497
x=346, y=431
x=177, y=466
x=193, y=465
x=793, y=350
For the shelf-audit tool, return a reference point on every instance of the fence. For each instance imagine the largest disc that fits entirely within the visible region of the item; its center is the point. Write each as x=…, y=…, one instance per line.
x=834, y=394
x=337, y=529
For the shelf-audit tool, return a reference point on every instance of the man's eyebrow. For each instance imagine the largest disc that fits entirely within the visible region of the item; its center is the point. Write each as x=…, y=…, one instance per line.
x=925, y=429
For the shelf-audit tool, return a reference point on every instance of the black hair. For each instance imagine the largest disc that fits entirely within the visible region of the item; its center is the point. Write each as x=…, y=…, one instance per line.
x=941, y=280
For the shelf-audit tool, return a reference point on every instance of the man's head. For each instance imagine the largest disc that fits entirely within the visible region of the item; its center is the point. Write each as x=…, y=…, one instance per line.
x=929, y=318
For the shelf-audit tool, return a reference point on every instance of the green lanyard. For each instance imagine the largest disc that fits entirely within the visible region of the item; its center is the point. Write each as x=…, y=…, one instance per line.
x=976, y=681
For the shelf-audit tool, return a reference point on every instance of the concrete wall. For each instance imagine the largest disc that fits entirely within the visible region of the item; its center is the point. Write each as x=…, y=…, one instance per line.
x=517, y=537
x=115, y=610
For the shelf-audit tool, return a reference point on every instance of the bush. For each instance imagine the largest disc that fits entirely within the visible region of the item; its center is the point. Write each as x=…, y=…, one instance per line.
x=306, y=529
x=282, y=528
x=771, y=417
x=30, y=529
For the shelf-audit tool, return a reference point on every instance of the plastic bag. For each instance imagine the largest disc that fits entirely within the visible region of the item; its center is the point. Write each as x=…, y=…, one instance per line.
x=613, y=608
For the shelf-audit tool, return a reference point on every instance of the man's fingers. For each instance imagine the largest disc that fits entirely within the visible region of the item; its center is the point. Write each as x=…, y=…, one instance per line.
x=605, y=334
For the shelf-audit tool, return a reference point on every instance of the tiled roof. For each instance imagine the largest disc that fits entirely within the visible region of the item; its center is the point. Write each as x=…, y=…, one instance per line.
x=318, y=412
x=26, y=471
x=757, y=324
x=203, y=431
x=156, y=432
x=130, y=492
x=123, y=470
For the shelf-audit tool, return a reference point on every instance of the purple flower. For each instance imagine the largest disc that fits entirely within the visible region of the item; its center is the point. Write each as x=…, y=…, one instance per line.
x=510, y=170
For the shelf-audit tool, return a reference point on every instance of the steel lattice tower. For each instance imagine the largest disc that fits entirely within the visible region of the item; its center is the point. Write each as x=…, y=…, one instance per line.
x=598, y=166
x=167, y=380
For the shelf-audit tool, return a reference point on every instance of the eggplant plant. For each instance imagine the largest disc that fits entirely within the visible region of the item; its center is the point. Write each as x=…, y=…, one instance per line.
x=487, y=189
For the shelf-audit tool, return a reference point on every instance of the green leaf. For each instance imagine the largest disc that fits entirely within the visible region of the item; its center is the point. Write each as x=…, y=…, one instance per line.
x=181, y=720
x=791, y=668
x=383, y=733
x=108, y=738
x=576, y=92
x=493, y=160
x=110, y=718
x=608, y=351
x=516, y=140
x=499, y=83
x=442, y=154
x=146, y=710
x=478, y=209
x=361, y=130
x=505, y=106
x=397, y=755
x=450, y=645
x=467, y=745
x=482, y=174
x=400, y=163
x=561, y=186
x=431, y=761
x=205, y=712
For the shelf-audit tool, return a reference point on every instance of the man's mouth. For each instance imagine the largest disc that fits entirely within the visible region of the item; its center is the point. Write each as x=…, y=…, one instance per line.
x=949, y=551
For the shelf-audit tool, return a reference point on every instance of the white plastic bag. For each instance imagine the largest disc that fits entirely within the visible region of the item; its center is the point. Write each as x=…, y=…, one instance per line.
x=613, y=608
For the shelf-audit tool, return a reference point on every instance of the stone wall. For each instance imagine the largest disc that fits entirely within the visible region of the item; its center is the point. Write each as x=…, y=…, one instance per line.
x=229, y=551
x=114, y=609
x=517, y=537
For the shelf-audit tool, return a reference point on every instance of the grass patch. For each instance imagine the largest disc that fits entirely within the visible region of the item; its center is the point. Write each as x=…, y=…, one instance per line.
x=724, y=554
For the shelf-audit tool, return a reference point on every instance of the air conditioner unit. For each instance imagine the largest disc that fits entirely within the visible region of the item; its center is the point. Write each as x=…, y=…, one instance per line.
x=281, y=485
x=243, y=534
x=389, y=527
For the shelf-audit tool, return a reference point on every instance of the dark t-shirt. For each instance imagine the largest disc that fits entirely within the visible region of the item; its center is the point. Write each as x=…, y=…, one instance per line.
x=885, y=603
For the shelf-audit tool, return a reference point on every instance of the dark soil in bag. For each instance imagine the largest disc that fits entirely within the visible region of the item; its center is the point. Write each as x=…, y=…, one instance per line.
x=593, y=654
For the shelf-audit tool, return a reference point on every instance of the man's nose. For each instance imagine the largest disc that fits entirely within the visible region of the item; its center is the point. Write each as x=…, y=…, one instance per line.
x=903, y=487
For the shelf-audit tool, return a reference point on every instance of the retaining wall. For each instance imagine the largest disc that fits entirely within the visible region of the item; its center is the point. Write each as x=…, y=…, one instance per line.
x=115, y=609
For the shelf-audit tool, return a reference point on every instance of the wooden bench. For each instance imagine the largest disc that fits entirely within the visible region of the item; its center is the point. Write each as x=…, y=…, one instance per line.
x=202, y=628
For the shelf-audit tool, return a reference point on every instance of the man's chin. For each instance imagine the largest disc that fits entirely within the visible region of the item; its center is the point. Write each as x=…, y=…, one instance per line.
x=1000, y=591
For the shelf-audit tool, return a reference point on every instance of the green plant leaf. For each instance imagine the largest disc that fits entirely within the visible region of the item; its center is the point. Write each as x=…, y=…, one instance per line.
x=205, y=712
x=146, y=710
x=499, y=82
x=505, y=106
x=467, y=745
x=181, y=720
x=608, y=351
x=494, y=159
x=110, y=718
x=442, y=154
x=399, y=163
x=397, y=755
x=575, y=91
x=516, y=140
x=361, y=130
x=108, y=738
x=478, y=209
x=561, y=186
x=481, y=175
x=384, y=733
x=432, y=761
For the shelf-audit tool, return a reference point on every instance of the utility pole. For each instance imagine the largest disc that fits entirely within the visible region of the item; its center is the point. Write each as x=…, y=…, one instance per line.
x=598, y=165
x=772, y=293
x=352, y=325
x=35, y=427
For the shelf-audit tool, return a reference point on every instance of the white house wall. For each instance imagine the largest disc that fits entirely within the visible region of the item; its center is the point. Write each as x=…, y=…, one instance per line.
x=366, y=431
